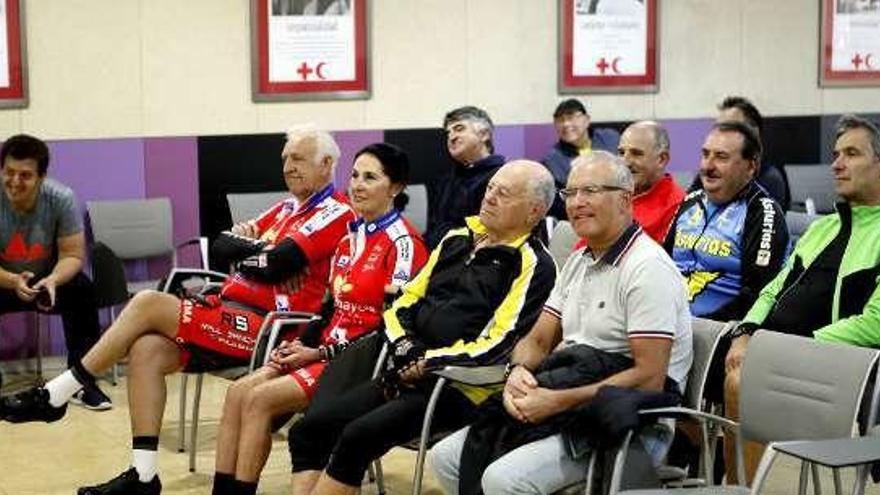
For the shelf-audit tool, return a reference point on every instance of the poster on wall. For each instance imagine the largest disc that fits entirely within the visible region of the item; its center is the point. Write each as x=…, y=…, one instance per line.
x=849, y=51
x=607, y=46
x=309, y=50
x=13, y=73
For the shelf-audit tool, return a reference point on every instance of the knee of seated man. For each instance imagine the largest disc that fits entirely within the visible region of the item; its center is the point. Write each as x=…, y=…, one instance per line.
x=498, y=479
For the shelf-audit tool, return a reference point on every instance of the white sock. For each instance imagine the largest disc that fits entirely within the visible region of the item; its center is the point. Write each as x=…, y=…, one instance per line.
x=146, y=463
x=62, y=387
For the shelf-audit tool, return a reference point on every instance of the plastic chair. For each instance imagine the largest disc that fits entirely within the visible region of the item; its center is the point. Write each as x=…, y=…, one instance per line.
x=798, y=222
x=417, y=208
x=132, y=230
x=792, y=388
x=247, y=206
x=561, y=242
x=137, y=230
x=475, y=376
x=812, y=188
x=707, y=335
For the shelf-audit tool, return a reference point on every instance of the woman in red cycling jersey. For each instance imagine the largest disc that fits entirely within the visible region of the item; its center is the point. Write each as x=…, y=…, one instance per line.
x=382, y=251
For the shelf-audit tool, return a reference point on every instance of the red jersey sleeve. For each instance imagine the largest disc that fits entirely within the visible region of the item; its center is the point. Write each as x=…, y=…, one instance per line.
x=320, y=234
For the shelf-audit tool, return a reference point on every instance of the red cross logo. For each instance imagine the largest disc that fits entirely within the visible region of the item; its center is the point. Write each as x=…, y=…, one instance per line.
x=857, y=61
x=304, y=71
x=602, y=65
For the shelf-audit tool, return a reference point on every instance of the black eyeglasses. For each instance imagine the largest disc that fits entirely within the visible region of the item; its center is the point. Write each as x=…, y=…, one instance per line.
x=588, y=191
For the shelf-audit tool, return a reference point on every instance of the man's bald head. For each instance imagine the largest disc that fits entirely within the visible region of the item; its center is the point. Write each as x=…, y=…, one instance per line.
x=517, y=198
x=644, y=146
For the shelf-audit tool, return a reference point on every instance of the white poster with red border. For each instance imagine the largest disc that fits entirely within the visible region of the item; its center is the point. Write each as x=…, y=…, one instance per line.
x=850, y=43
x=309, y=49
x=608, y=46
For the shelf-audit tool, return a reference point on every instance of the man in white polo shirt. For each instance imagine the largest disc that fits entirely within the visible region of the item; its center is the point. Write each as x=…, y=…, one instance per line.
x=622, y=299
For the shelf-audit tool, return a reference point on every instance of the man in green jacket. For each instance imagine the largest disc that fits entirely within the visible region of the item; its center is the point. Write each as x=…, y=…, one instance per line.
x=828, y=288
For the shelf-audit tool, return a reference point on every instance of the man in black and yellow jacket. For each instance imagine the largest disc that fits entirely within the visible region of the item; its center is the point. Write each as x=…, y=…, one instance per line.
x=481, y=290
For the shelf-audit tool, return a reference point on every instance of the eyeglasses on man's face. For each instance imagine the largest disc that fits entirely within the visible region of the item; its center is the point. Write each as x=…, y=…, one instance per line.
x=588, y=191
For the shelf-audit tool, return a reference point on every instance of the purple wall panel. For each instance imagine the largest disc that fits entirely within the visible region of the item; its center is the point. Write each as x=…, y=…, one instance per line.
x=686, y=139
x=539, y=138
x=171, y=170
x=350, y=142
x=509, y=141
x=100, y=169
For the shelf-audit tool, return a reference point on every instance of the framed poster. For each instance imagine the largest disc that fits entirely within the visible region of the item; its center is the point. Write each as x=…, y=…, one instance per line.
x=849, y=46
x=309, y=50
x=607, y=46
x=13, y=66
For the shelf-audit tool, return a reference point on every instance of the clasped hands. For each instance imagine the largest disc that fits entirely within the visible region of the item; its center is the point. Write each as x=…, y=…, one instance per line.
x=27, y=292
x=291, y=355
x=526, y=401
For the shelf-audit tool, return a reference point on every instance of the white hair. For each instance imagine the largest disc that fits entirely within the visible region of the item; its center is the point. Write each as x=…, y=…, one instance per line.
x=543, y=188
x=326, y=145
x=621, y=174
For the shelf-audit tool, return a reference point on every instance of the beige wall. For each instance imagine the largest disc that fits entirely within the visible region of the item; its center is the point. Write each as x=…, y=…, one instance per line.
x=110, y=68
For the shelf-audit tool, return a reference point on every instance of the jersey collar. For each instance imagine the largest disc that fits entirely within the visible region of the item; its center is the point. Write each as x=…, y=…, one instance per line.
x=378, y=225
x=316, y=199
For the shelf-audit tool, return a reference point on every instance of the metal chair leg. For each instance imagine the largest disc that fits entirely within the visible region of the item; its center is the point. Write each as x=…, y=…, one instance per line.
x=817, y=483
x=38, y=324
x=114, y=377
x=194, y=428
x=426, y=434
x=380, y=476
x=803, y=479
x=181, y=427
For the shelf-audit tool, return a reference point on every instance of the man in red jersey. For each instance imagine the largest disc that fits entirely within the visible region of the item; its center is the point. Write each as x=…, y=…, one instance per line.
x=644, y=146
x=282, y=262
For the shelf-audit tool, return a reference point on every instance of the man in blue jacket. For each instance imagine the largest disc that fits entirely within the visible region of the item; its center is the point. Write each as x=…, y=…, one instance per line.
x=469, y=142
x=576, y=138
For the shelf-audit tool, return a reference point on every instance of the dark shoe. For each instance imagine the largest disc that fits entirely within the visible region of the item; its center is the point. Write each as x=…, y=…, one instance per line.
x=30, y=405
x=91, y=397
x=126, y=483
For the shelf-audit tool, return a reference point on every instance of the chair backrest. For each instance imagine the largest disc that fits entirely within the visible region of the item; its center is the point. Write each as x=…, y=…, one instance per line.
x=706, y=336
x=247, y=206
x=139, y=228
x=812, y=188
x=417, y=208
x=798, y=222
x=795, y=388
x=561, y=242
x=684, y=179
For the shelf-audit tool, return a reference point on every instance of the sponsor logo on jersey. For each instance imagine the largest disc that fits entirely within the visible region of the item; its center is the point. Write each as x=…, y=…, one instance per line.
x=697, y=283
x=187, y=309
x=764, y=253
x=306, y=376
x=238, y=322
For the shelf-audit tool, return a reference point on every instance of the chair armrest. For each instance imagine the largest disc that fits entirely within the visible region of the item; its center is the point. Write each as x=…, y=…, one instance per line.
x=687, y=413
x=703, y=418
x=202, y=243
x=473, y=375
x=834, y=453
x=176, y=276
x=273, y=324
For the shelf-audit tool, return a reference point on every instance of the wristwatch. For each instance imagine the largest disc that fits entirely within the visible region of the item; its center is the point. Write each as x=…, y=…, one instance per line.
x=745, y=328
x=509, y=369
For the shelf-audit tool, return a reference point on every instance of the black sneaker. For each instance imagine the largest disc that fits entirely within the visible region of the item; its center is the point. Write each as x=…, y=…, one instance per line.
x=91, y=397
x=126, y=483
x=30, y=405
